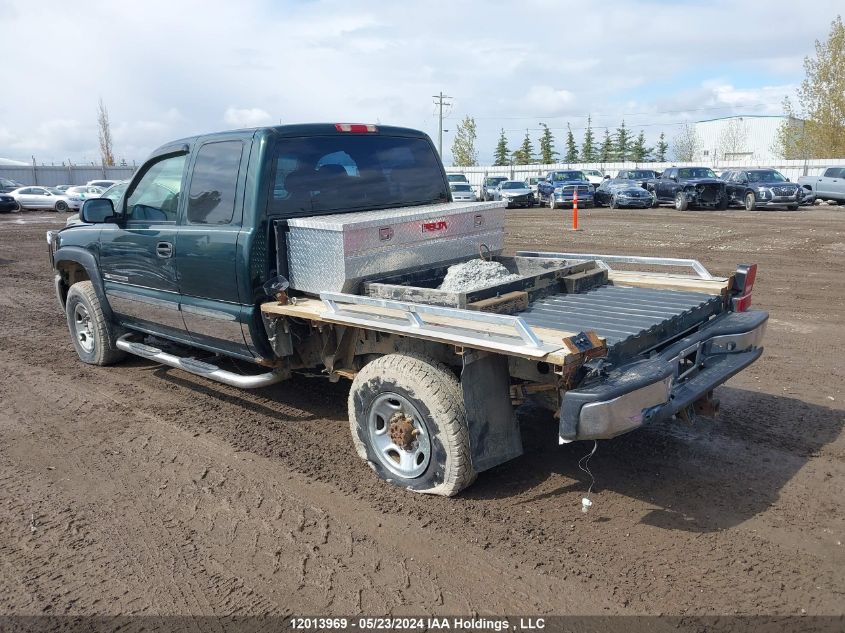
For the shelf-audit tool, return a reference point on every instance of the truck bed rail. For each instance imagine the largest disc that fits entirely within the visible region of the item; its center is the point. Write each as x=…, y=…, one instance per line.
x=604, y=261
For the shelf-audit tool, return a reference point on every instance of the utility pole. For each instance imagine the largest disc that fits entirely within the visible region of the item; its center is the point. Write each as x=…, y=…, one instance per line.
x=439, y=101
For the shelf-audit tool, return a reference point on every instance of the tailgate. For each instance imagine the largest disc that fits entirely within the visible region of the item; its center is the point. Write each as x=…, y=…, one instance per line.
x=631, y=319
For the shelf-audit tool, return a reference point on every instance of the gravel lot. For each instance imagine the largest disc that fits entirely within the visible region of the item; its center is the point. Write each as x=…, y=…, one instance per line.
x=141, y=489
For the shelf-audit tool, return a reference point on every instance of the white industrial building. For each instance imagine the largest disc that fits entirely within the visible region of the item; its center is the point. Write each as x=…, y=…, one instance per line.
x=749, y=138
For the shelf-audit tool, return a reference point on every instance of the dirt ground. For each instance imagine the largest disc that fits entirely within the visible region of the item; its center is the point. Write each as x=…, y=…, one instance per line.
x=139, y=489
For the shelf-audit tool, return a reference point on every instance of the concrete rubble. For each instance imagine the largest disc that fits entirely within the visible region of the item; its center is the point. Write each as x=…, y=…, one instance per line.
x=474, y=275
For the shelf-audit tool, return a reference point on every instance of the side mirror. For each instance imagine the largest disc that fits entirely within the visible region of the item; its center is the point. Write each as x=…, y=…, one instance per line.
x=788, y=180
x=96, y=210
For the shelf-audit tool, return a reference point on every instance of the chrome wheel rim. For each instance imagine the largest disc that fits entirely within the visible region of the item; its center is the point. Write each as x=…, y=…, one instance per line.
x=398, y=435
x=82, y=327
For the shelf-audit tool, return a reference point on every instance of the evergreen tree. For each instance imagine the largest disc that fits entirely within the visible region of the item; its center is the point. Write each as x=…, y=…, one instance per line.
x=639, y=151
x=547, y=146
x=464, y=153
x=606, y=150
x=588, y=149
x=525, y=154
x=571, y=147
x=502, y=154
x=622, y=144
x=662, y=148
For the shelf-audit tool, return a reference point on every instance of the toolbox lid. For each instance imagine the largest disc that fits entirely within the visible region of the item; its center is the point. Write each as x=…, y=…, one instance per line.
x=364, y=219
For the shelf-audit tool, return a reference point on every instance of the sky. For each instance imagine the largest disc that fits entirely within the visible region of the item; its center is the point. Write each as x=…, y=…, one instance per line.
x=166, y=69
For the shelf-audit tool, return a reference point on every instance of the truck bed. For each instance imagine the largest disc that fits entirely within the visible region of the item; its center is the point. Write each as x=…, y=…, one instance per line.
x=630, y=319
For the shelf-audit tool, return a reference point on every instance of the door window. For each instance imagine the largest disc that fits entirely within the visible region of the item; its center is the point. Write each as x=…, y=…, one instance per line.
x=215, y=179
x=156, y=196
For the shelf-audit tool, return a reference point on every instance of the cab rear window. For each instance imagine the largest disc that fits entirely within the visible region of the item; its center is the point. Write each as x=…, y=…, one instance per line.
x=348, y=172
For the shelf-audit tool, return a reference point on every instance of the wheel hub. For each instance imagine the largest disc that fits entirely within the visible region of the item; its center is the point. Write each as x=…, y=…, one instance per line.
x=402, y=431
x=398, y=435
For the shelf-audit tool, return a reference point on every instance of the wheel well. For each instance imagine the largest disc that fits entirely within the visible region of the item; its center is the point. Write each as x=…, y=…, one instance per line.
x=69, y=274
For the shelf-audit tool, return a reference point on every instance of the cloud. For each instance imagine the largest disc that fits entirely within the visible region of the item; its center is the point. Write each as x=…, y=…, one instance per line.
x=510, y=65
x=246, y=117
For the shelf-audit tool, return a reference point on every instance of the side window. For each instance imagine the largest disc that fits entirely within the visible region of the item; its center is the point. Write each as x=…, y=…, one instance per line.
x=211, y=199
x=156, y=196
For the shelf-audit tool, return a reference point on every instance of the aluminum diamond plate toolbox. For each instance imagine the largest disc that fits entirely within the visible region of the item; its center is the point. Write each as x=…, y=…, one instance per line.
x=335, y=252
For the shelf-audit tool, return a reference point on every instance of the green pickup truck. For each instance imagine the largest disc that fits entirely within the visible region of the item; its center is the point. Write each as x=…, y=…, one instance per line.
x=323, y=248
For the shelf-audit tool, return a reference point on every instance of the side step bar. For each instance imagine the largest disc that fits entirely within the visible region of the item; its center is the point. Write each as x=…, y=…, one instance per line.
x=200, y=368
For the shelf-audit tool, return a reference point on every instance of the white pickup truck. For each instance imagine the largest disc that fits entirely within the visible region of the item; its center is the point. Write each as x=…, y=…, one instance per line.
x=829, y=185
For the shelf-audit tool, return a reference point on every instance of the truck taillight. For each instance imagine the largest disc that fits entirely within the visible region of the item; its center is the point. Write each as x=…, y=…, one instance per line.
x=746, y=275
x=356, y=128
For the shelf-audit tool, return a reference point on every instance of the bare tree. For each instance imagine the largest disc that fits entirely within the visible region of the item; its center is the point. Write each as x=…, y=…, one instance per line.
x=106, y=151
x=733, y=138
x=685, y=145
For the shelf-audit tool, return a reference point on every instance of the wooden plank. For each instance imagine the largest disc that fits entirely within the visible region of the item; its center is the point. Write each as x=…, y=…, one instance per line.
x=669, y=282
x=508, y=303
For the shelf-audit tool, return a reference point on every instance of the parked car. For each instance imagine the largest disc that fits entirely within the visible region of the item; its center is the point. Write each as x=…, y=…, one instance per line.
x=40, y=198
x=515, y=193
x=689, y=187
x=7, y=186
x=594, y=176
x=63, y=187
x=462, y=192
x=559, y=187
x=102, y=184
x=78, y=195
x=642, y=176
x=617, y=193
x=753, y=188
x=488, y=188
x=830, y=185
x=8, y=203
x=531, y=182
x=113, y=193
x=457, y=178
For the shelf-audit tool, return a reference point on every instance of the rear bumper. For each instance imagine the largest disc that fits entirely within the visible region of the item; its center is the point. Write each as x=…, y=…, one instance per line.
x=658, y=388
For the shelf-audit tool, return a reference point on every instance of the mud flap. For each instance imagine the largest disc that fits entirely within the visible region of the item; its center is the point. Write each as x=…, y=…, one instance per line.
x=493, y=428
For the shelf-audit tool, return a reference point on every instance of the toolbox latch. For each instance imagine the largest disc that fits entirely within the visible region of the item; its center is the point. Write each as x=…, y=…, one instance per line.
x=385, y=233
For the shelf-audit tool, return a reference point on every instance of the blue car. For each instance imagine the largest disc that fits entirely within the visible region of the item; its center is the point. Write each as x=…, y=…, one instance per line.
x=559, y=187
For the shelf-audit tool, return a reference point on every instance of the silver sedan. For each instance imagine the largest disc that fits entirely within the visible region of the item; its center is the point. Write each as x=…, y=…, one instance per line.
x=516, y=193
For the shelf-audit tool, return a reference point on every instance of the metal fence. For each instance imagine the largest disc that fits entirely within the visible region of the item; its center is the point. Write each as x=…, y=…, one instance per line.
x=50, y=175
x=792, y=169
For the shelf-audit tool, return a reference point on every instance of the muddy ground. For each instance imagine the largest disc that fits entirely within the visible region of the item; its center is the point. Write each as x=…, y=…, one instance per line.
x=139, y=489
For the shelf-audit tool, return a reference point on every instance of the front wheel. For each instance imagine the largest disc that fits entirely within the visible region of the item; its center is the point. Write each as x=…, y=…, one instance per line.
x=614, y=203
x=90, y=331
x=792, y=207
x=408, y=421
x=552, y=203
x=61, y=206
x=750, y=201
x=681, y=202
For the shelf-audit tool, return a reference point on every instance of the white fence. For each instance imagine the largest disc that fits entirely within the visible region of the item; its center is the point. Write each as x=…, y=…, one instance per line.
x=792, y=169
x=52, y=175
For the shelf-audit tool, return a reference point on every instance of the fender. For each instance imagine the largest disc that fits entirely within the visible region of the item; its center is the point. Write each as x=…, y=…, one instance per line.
x=85, y=259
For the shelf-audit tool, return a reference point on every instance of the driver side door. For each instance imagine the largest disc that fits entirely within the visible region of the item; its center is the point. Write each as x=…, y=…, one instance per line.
x=137, y=254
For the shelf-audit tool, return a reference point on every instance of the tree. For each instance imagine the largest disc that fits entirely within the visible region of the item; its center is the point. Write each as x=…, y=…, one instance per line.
x=639, y=151
x=571, y=147
x=606, y=150
x=106, y=151
x=588, y=149
x=502, y=154
x=733, y=137
x=547, y=146
x=622, y=147
x=464, y=153
x=685, y=144
x=662, y=148
x=817, y=128
x=525, y=154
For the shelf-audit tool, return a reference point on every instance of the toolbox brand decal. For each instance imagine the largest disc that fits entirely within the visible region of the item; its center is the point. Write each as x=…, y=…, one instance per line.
x=440, y=225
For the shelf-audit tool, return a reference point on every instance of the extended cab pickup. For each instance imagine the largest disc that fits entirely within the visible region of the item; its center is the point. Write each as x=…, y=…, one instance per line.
x=322, y=249
x=689, y=187
x=829, y=185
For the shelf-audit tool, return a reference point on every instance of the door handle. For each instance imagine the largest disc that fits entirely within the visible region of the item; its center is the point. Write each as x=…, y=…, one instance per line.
x=164, y=249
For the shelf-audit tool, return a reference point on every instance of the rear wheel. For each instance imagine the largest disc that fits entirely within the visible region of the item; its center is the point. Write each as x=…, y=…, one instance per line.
x=681, y=202
x=90, y=331
x=750, y=201
x=408, y=421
